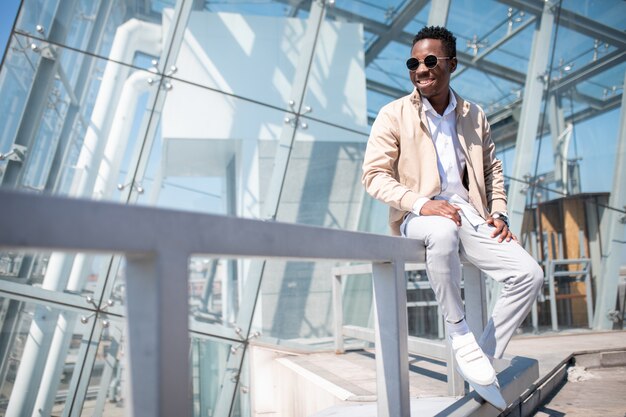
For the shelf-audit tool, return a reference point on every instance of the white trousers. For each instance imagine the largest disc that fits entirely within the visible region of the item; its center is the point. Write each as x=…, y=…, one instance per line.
x=506, y=262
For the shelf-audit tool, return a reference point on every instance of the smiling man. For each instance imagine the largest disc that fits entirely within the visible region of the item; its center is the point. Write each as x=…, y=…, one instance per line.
x=430, y=157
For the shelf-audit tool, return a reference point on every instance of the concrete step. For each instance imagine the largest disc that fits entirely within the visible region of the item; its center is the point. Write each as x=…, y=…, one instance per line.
x=327, y=384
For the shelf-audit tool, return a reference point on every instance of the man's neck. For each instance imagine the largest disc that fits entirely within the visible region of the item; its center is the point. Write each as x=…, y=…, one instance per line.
x=440, y=106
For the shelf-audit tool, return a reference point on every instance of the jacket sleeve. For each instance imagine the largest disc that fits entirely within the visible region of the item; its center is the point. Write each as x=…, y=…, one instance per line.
x=492, y=168
x=380, y=164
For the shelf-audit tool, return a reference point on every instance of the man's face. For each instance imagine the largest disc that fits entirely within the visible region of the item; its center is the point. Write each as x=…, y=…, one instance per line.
x=432, y=83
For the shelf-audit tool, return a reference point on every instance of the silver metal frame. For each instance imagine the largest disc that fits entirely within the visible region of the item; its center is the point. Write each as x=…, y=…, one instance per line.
x=614, y=227
x=476, y=310
x=157, y=244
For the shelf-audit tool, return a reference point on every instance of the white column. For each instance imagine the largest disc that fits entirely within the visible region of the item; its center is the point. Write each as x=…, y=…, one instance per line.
x=614, y=226
x=529, y=119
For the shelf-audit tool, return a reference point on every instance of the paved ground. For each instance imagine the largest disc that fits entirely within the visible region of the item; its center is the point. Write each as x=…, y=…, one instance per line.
x=603, y=395
x=551, y=349
x=356, y=372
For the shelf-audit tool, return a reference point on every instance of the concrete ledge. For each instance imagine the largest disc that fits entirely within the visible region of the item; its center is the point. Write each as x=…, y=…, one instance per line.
x=541, y=391
x=514, y=381
x=601, y=359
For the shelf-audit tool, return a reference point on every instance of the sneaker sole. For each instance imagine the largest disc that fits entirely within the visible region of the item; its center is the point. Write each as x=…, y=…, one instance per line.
x=492, y=396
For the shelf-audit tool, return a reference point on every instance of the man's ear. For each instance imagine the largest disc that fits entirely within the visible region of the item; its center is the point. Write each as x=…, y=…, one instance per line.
x=453, y=63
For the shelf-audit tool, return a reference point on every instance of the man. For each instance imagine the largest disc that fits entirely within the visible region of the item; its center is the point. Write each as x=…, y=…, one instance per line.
x=430, y=157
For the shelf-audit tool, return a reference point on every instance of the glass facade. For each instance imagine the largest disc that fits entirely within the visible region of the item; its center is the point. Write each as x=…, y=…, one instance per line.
x=262, y=110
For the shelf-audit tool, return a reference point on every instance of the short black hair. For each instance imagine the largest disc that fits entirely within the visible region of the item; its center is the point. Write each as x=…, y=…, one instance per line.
x=438, y=32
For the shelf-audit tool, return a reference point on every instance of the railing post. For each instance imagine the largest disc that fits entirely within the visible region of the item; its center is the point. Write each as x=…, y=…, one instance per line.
x=456, y=383
x=338, y=313
x=475, y=299
x=392, y=367
x=552, y=289
x=476, y=316
x=158, y=339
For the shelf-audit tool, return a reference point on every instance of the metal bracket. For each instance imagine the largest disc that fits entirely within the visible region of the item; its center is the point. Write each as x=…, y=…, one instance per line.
x=135, y=186
x=16, y=154
x=167, y=85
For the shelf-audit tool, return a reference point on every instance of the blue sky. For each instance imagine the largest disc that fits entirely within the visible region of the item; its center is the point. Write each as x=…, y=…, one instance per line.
x=8, y=11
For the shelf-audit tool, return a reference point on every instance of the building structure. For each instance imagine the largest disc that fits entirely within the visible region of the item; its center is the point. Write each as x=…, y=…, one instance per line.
x=261, y=111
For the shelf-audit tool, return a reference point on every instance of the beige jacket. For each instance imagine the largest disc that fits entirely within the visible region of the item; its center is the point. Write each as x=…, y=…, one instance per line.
x=400, y=162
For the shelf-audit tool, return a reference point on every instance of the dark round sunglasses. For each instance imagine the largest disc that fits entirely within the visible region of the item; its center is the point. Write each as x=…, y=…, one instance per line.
x=430, y=61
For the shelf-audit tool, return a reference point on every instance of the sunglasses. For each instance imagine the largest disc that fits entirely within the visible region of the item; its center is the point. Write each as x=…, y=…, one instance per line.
x=430, y=62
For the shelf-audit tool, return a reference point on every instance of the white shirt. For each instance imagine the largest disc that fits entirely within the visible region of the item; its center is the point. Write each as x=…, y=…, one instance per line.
x=450, y=160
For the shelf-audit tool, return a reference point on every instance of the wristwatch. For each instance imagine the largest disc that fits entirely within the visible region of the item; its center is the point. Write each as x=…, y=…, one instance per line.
x=501, y=216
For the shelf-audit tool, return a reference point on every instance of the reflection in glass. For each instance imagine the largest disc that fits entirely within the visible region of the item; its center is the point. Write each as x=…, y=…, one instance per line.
x=42, y=352
x=208, y=361
x=117, y=30
x=213, y=153
x=323, y=180
x=214, y=290
x=75, y=273
x=264, y=52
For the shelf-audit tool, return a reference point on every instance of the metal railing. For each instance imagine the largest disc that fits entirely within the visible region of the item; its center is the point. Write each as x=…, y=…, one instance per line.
x=157, y=244
x=554, y=274
x=476, y=312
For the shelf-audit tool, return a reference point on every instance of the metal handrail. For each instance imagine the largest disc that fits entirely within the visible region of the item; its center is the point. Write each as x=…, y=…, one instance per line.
x=475, y=307
x=157, y=244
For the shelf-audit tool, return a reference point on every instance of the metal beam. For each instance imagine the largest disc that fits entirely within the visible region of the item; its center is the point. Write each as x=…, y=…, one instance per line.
x=507, y=138
x=397, y=26
x=596, y=67
x=529, y=118
x=575, y=22
x=495, y=45
x=438, y=15
x=370, y=25
x=614, y=225
x=500, y=71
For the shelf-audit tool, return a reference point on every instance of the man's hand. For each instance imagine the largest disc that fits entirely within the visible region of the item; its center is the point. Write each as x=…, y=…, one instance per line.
x=441, y=208
x=502, y=231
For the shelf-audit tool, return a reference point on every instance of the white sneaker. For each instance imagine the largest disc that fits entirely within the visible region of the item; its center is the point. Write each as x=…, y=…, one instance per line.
x=471, y=361
x=491, y=393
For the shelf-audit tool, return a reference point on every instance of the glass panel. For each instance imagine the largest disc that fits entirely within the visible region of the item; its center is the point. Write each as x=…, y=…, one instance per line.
x=16, y=77
x=209, y=360
x=487, y=91
x=381, y=11
x=78, y=133
x=323, y=180
x=477, y=24
x=265, y=48
x=294, y=308
x=215, y=289
x=43, y=346
x=215, y=157
x=130, y=32
x=108, y=377
x=109, y=374
x=74, y=273
x=389, y=69
x=611, y=14
x=336, y=87
x=594, y=143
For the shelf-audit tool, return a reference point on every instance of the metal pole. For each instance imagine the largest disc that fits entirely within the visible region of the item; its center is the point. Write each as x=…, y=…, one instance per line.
x=392, y=333
x=529, y=118
x=613, y=242
x=158, y=339
x=438, y=15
